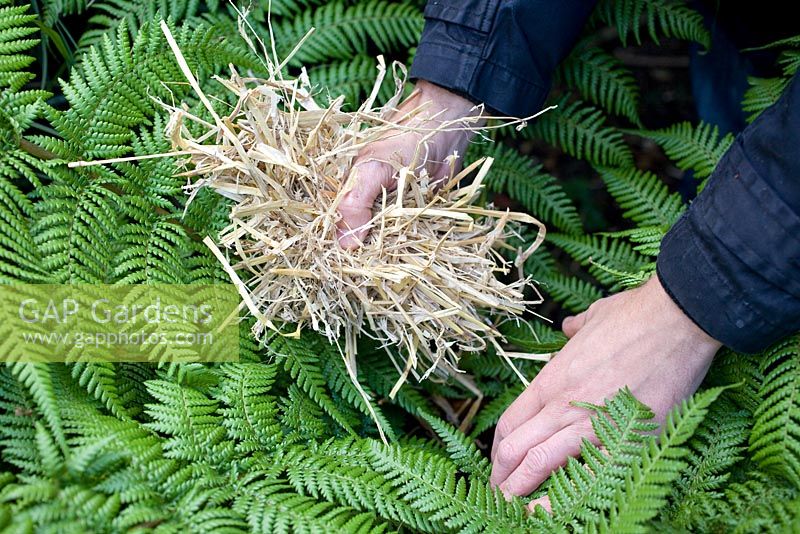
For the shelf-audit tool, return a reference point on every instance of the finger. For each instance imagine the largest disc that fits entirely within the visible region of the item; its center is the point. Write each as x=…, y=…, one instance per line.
x=371, y=177
x=543, y=501
x=511, y=451
x=572, y=324
x=524, y=408
x=541, y=461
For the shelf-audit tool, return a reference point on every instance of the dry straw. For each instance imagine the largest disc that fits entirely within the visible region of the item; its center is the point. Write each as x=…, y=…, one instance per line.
x=423, y=283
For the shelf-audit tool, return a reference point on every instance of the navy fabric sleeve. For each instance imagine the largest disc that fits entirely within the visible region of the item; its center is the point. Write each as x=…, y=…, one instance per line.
x=498, y=52
x=732, y=262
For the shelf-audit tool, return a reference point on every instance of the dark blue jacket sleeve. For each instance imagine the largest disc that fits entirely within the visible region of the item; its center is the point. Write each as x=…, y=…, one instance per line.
x=498, y=52
x=732, y=262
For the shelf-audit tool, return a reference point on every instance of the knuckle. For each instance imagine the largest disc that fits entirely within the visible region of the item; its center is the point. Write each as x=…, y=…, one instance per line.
x=583, y=429
x=594, y=308
x=503, y=428
x=536, y=460
x=506, y=452
x=559, y=410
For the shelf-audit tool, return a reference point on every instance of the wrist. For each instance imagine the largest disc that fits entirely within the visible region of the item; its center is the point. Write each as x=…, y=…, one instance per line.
x=440, y=102
x=674, y=315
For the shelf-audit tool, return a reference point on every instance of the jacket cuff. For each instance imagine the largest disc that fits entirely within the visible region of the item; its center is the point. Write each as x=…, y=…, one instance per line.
x=456, y=68
x=455, y=53
x=727, y=262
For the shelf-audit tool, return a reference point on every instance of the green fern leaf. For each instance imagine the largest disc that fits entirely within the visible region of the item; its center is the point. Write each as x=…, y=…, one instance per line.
x=572, y=292
x=646, y=239
x=100, y=381
x=756, y=504
x=645, y=198
x=580, y=130
x=697, y=148
x=352, y=77
x=601, y=79
x=380, y=374
x=532, y=336
x=647, y=487
x=538, y=192
x=762, y=93
x=581, y=494
x=429, y=484
x=775, y=439
x=716, y=447
x=271, y=506
x=339, y=471
x=250, y=416
x=37, y=378
x=491, y=412
x=461, y=449
x=342, y=31
x=670, y=18
x=188, y=417
x=593, y=251
x=303, y=364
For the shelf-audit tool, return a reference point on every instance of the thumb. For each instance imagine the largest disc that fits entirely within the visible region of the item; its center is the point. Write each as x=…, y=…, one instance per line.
x=572, y=324
x=370, y=178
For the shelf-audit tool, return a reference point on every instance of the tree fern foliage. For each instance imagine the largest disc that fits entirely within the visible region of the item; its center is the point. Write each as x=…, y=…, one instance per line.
x=600, y=78
x=671, y=18
x=282, y=441
x=696, y=148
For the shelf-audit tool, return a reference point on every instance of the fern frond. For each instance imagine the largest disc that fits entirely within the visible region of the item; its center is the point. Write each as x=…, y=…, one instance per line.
x=597, y=250
x=525, y=182
x=108, y=15
x=572, y=292
x=643, y=196
x=715, y=448
x=17, y=425
x=757, y=504
x=380, y=374
x=581, y=131
x=661, y=462
x=581, y=494
x=429, y=484
x=100, y=381
x=250, y=416
x=339, y=471
x=19, y=171
x=775, y=439
x=491, y=412
x=532, y=336
x=189, y=418
x=270, y=506
x=646, y=239
x=352, y=77
x=303, y=364
x=39, y=381
x=461, y=449
x=15, y=32
x=670, y=18
x=601, y=79
x=341, y=383
x=343, y=31
x=303, y=418
x=762, y=93
x=698, y=148
x=77, y=220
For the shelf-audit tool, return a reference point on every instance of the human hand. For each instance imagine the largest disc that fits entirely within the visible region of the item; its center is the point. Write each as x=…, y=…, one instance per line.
x=638, y=338
x=373, y=168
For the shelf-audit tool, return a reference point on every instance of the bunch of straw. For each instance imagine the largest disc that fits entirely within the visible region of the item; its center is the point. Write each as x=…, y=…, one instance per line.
x=422, y=281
